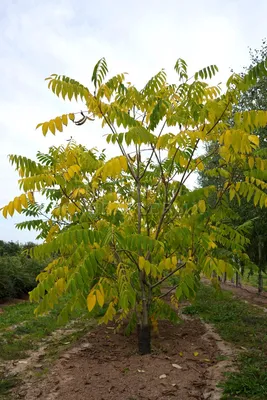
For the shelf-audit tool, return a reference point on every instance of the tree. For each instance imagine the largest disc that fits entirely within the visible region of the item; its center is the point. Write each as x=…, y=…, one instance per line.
x=120, y=228
x=255, y=98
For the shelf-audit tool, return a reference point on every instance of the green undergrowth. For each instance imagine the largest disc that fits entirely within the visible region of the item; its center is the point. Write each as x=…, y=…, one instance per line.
x=244, y=326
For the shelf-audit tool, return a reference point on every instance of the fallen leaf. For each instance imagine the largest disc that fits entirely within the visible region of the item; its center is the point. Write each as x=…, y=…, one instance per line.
x=140, y=370
x=163, y=376
x=206, y=359
x=181, y=354
x=177, y=366
x=196, y=353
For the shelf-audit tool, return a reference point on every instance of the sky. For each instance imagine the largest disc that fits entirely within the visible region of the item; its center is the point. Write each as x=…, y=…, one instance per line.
x=68, y=37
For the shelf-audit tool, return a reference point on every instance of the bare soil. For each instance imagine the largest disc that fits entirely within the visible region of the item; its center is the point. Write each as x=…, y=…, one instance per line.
x=105, y=365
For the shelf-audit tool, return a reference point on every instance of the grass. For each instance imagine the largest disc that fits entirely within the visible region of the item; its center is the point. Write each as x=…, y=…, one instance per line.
x=245, y=326
x=253, y=280
x=21, y=331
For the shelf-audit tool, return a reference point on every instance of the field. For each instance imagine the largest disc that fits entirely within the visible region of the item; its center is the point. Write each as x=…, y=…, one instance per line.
x=83, y=359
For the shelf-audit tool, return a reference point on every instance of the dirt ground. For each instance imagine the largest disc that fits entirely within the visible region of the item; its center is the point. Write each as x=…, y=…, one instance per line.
x=106, y=366
x=187, y=362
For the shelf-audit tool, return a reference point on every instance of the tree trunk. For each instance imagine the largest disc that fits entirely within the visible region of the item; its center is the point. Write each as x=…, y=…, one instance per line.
x=144, y=329
x=260, y=277
x=224, y=277
x=260, y=281
x=237, y=283
x=144, y=339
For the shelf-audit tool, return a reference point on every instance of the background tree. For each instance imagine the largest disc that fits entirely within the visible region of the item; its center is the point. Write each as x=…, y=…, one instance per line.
x=119, y=228
x=17, y=270
x=255, y=98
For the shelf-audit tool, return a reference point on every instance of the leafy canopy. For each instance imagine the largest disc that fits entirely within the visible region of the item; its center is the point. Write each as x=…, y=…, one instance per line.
x=119, y=229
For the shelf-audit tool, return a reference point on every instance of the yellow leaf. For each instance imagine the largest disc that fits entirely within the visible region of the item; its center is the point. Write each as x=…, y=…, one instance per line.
x=123, y=163
x=142, y=262
x=174, y=261
x=200, y=166
x=63, y=210
x=71, y=208
x=4, y=212
x=202, y=205
x=23, y=200
x=237, y=186
x=71, y=116
x=66, y=176
x=45, y=128
x=231, y=193
x=31, y=197
x=100, y=298
x=82, y=191
x=52, y=127
x=147, y=267
x=71, y=172
x=21, y=172
x=254, y=139
x=11, y=208
x=64, y=119
x=76, y=168
x=60, y=285
x=17, y=204
x=227, y=139
x=251, y=162
x=196, y=353
x=91, y=301
x=181, y=354
x=58, y=123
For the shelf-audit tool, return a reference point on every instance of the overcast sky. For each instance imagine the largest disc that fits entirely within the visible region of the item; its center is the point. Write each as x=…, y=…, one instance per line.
x=69, y=36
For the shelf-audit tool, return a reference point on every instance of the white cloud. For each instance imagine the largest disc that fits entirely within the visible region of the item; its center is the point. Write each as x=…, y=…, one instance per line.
x=68, y=37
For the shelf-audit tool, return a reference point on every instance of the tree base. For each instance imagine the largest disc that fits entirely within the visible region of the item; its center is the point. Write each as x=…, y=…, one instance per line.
x=144, y=339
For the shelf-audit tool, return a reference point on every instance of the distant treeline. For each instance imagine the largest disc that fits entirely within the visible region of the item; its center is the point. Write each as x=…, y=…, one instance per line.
x=17, y=270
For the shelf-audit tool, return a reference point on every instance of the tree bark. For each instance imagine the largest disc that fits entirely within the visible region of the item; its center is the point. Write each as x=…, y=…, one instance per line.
x=144, y=329
x=224, y=277
x=144, y=339
x=260, y=277
x=237, y=279
x=260, y=281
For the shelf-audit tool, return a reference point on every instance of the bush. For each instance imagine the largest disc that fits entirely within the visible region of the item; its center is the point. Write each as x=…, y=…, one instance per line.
x=17, y=275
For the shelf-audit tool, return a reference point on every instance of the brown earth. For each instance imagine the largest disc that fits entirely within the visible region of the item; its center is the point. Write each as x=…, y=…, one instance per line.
x=106, y=366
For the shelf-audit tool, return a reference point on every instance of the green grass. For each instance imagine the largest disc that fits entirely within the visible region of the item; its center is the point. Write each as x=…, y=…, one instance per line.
x=21, y=331
x=244, y=326
x=6, y=385
x=16, y=314
x=253, y=281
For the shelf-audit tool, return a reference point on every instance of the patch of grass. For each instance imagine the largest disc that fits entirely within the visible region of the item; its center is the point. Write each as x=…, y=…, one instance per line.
x=6, y=385
x=17, y=313
x=253, y=280
x=21, y=330
x=245, y=326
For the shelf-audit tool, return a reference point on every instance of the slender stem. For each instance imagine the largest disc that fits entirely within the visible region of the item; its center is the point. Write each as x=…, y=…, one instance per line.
x=65, y=194
x=169, y=291
x=167, y=276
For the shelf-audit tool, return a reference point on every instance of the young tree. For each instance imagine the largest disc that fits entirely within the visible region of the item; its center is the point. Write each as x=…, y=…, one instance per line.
x=120, y=228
